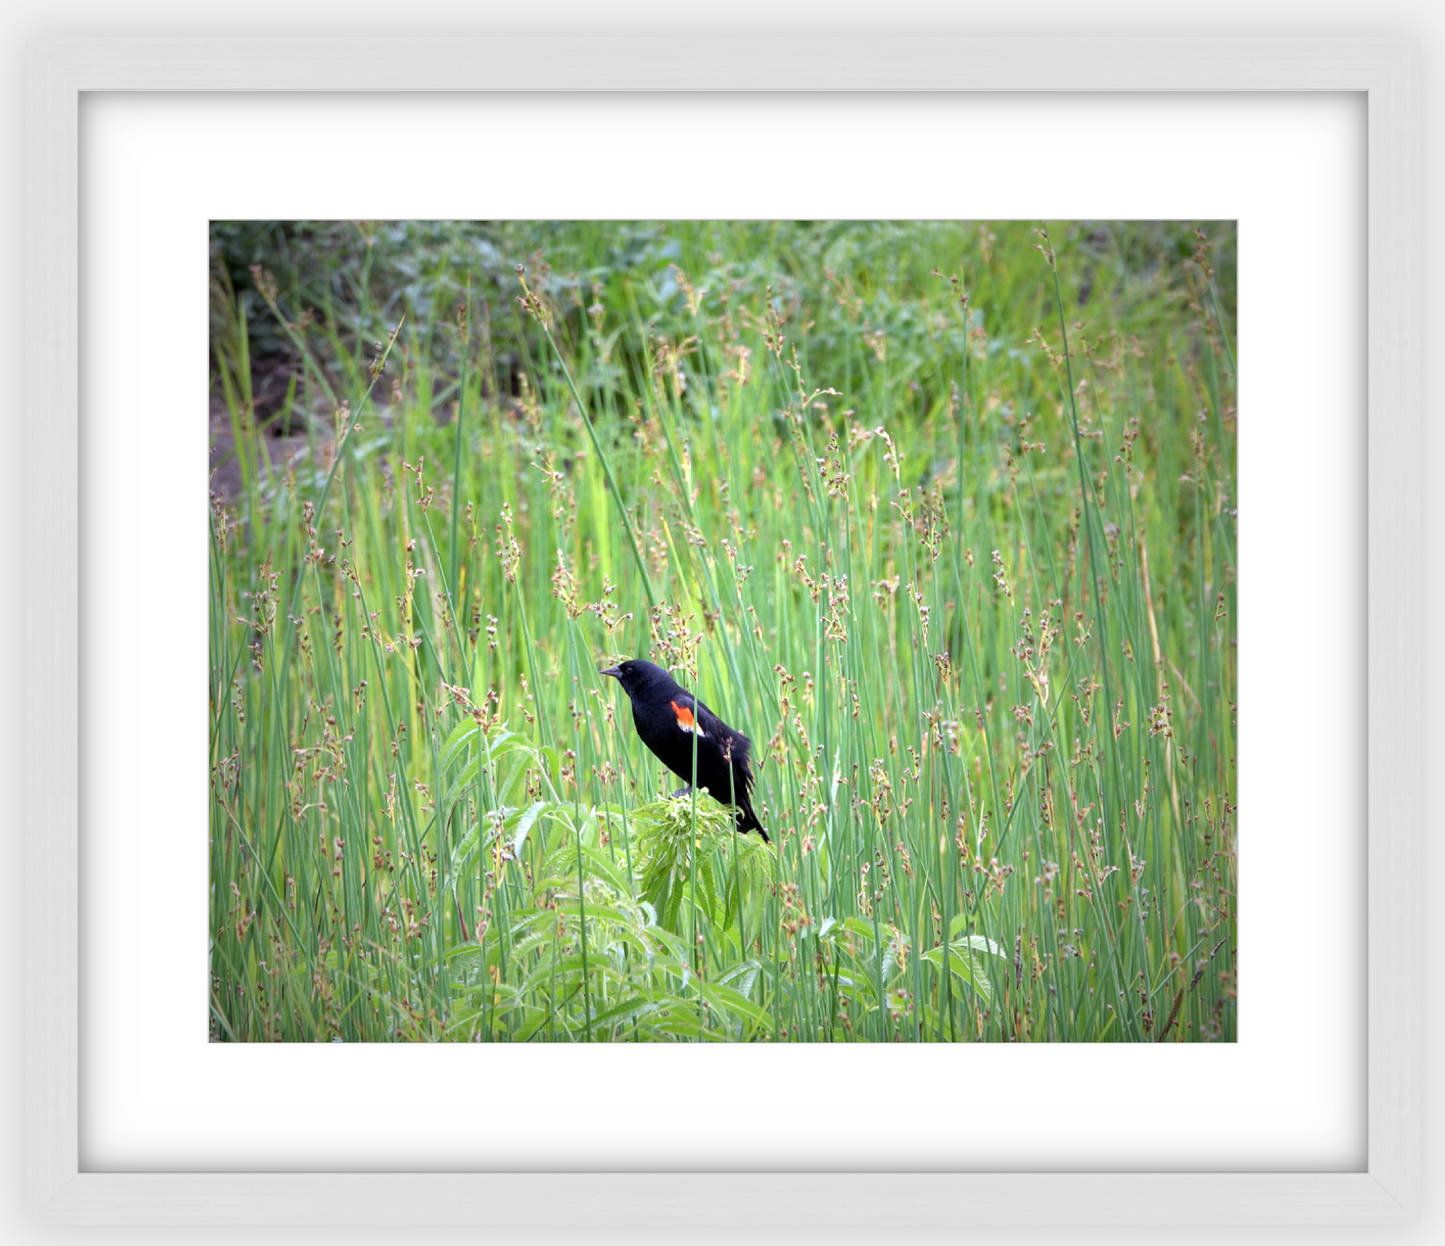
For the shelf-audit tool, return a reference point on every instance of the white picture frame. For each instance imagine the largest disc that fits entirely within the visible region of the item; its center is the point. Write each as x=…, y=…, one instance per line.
x=1387, y=1190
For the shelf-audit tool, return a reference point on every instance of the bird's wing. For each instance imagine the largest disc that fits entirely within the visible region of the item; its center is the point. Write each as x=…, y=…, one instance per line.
x=714, y=726
x=710, y=723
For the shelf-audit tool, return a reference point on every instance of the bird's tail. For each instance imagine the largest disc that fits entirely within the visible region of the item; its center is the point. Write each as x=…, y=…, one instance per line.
x=748, y=820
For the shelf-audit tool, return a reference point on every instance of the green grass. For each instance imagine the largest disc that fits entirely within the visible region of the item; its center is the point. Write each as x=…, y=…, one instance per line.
x=957, y=555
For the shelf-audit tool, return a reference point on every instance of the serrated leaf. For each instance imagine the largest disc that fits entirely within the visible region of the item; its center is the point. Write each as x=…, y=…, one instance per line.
x=965, y=965
x=725, y=999
x=524, y=825
x=465, y=734
x=976, y=941
x=741, y=977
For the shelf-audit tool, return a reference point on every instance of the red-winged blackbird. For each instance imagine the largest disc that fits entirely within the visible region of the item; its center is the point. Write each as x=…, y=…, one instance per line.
x=667, y=715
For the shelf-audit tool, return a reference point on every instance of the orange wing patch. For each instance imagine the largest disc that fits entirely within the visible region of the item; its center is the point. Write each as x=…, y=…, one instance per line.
x=685, y=720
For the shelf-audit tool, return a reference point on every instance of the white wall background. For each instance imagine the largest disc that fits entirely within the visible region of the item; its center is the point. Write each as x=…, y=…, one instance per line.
x=22, y=19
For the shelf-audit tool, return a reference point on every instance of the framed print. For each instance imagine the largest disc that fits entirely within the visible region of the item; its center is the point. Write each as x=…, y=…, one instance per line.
x=411, y=839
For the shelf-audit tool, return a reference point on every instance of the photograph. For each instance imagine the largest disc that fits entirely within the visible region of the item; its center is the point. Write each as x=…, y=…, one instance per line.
x=723, y=631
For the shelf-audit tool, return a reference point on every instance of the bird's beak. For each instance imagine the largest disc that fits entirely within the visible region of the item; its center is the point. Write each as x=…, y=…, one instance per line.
x=614, y=671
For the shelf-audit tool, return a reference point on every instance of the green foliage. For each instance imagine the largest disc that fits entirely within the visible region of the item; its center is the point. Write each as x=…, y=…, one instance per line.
x=705, y=866
x=941, y=515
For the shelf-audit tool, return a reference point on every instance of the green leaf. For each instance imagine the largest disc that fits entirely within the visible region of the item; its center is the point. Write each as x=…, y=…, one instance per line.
x=628, y=1010
x=725, y=999
x=966, y=965
x=463, y=737
x=741, y=977
x=707, y=887
x=976, y=941
x=524, y=825
x=532, y=1020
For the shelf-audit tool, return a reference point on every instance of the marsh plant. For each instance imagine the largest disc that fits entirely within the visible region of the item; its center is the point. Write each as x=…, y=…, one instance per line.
x=942, y=515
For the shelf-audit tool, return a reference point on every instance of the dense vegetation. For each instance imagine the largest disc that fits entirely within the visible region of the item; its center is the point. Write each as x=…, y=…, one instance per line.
x=942, y=515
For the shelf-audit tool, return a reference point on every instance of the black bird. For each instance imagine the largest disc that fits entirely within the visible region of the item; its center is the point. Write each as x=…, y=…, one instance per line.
x=668, y=718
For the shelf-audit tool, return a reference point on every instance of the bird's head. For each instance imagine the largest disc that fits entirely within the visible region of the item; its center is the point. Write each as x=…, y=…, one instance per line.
x=641, y=678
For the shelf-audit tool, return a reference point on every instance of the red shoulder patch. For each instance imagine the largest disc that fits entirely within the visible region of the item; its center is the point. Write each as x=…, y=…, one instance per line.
x=685, y=720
